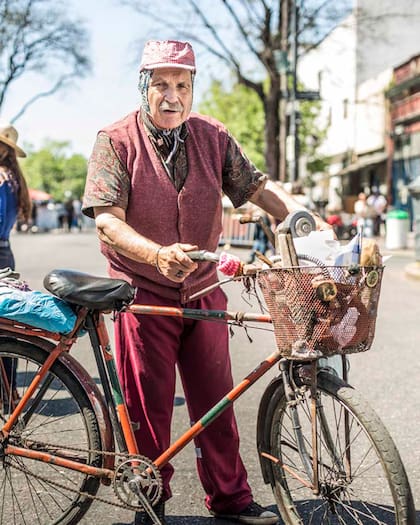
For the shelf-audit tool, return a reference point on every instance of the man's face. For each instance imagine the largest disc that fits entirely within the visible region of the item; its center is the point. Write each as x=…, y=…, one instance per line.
x=170, y=97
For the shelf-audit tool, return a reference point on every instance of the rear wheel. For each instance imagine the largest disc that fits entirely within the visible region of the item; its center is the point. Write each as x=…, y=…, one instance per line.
x=361, y=477
x=60, y=421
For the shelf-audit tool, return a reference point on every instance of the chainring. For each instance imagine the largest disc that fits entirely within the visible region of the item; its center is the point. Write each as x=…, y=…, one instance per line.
x=137, y=473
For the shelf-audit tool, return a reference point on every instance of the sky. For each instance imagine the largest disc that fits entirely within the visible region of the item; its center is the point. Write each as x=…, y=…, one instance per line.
x=109, y=93
x=77, y=113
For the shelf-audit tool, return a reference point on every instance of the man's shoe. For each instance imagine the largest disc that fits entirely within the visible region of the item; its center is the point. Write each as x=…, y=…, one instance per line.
x=253, y=514
x=142, y=518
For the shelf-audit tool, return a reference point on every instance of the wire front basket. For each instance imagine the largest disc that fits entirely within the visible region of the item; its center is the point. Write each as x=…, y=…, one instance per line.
x=322, y=311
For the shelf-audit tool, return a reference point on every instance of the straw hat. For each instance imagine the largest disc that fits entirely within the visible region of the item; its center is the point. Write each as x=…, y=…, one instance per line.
x=160, y=54
x=9, y=136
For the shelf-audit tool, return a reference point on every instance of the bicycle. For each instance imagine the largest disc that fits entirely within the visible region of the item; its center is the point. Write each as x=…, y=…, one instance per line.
x=321, y=447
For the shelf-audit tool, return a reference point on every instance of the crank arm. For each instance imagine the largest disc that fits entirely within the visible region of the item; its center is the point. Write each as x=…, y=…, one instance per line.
x=147, y=506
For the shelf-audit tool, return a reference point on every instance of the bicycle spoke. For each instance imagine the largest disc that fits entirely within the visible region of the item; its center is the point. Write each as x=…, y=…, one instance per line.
x=354, y=483
x=58, y=415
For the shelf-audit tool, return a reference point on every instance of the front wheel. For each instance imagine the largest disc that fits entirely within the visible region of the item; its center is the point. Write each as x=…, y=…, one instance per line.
x=361, y=477
x=59, y=419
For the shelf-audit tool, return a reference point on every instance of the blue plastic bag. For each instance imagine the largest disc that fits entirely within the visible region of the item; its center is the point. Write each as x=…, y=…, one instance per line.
x=36, y=309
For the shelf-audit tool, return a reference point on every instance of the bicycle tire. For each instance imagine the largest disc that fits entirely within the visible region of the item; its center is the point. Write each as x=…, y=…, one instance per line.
x=33, y=491
x=377, y=491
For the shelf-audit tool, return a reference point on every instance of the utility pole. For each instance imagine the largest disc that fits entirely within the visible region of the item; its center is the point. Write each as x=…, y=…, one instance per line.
x=290, y=96
x=292, y=139
x=283, y=67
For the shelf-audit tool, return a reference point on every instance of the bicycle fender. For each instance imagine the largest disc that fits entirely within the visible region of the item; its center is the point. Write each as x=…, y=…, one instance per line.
x=268, y=401
x=89, y=386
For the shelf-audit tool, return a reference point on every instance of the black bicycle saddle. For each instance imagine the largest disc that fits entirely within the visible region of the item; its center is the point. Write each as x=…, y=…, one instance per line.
x=95, y=293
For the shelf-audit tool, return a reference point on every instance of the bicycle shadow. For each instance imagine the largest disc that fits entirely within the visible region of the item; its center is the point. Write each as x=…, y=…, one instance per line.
x=305, y=508
x=186, y=519
x=313, y=511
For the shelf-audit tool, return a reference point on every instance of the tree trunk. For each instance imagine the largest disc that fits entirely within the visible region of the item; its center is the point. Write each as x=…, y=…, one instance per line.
x=271, y=108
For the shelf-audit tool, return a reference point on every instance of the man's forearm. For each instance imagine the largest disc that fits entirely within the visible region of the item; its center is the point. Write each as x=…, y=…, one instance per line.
x=279, y=203
x=276, y=201
x=117, y=234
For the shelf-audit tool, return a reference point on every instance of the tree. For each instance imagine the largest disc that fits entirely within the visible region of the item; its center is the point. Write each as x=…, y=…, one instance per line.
x=252, y=38
x=38, y=36
x=241, y=111
x=53, y=170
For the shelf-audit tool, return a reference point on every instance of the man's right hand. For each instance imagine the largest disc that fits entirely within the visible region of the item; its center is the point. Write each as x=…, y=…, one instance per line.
x=173, y=262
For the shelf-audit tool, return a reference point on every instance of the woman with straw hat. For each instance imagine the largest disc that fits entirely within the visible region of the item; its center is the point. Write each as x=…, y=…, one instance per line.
x=15, y=202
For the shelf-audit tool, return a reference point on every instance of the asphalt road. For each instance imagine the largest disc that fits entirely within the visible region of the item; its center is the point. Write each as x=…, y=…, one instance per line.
x=387, y=375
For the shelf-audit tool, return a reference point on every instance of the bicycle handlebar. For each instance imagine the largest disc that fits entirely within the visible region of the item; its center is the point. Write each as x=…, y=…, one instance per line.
x=245, y=219
x=258, y=219
x=203, y=255
x=296, y=224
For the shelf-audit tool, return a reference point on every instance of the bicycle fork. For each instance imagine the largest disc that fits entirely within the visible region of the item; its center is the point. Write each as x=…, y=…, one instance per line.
x=312, y=461
x=310, y=464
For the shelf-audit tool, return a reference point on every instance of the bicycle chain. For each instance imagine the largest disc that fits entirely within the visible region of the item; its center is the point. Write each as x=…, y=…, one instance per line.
x=28, y=442
x=68, y=489
x=65, y=487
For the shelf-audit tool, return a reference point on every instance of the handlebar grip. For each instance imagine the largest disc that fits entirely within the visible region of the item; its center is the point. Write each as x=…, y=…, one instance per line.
x=245, y=219
x=203, y=255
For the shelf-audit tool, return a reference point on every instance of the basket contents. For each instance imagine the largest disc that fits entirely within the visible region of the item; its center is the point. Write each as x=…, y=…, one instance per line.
x=320, y=309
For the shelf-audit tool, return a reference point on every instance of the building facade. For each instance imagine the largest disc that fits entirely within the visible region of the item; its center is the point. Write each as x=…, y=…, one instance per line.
x=355, y=69
x=404, y=131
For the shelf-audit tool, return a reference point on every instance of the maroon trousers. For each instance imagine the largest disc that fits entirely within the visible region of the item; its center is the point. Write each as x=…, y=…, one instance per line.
x=148, y=348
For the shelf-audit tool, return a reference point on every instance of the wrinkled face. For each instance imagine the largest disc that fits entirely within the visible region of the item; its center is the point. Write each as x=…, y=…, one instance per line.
x=170, y=97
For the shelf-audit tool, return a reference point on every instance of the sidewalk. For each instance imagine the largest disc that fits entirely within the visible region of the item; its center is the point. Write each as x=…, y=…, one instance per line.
x=408, y=251
x=412, y=268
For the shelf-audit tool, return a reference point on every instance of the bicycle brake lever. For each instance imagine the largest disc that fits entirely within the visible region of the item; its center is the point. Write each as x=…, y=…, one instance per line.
x=203, y=255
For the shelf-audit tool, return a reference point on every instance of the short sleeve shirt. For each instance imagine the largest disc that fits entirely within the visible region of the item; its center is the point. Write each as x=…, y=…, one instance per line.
x=108, y=183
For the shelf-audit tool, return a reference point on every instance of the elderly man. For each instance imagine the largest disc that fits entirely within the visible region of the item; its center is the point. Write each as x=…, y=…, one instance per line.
x=154, y=186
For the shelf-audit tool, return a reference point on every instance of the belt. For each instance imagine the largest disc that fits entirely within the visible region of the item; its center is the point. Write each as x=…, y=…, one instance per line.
x=4, y=244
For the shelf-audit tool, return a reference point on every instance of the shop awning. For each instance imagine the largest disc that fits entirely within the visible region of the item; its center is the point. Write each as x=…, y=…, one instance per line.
x=363, y=162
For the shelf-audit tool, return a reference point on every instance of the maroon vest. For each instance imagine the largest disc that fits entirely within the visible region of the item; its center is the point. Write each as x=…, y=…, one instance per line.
x=157, y=211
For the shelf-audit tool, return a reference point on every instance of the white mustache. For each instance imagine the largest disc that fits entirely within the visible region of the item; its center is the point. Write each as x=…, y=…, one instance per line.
x=166, y=106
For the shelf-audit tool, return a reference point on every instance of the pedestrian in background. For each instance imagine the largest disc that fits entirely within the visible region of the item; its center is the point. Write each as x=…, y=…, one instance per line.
x=77, y=214
x=363, y=213
x=68, y=206
x=377, y=203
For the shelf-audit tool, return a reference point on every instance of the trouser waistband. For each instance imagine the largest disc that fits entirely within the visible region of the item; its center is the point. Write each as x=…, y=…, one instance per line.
x=4, y=244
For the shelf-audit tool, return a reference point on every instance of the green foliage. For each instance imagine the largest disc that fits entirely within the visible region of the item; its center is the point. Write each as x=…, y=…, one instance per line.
x=318, y=164
x=242, y=113
x=54, y=170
